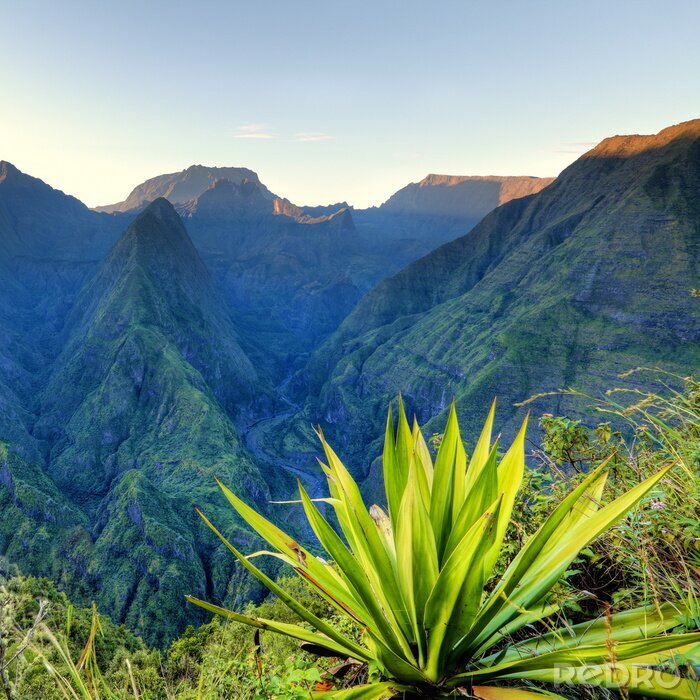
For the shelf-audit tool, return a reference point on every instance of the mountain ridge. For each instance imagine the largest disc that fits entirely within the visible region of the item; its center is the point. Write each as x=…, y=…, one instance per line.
x=138, y=413
x=608, y=251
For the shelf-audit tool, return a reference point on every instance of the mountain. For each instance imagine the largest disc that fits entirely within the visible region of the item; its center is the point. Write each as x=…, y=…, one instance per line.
x=39, y=221
x=182, y=186
x=286, y=274
x=137, y=415
x=423, y=215
x=568, y=287
x=148, y=321
x=293, y=273
x=461, y=196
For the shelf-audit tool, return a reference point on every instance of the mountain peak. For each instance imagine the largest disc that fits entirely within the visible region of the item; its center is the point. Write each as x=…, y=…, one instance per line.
x=470, y=196
x=313, y=215
x=158, y=230
x=184, y=186
x=162, y=209
x=224, y=197
x=8, y=171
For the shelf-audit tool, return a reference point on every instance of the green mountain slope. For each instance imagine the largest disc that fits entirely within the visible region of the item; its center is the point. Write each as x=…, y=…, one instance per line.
x=136, y=418
x=570, y=286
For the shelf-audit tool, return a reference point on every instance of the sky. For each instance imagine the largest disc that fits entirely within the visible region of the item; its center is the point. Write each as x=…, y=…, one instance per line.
x=332, y=100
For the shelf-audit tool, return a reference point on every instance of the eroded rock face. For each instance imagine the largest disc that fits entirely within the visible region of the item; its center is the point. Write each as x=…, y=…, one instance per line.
x=586, y=279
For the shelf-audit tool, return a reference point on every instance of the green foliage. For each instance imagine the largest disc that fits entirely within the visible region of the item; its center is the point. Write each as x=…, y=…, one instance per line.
x=647, y=559
x=431, y=610
x=656, y=550
x=55, y=649
x=213, y=661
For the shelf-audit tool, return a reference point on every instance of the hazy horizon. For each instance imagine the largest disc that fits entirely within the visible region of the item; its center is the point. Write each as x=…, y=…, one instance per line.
x=330, y=102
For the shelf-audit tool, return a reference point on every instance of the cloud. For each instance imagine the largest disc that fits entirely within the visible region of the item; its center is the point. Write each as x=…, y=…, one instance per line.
x=252, y=127
x=313, y=136
x=253, y=131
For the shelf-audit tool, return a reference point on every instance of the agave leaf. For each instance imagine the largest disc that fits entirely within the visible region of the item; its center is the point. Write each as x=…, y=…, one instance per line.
x=633, y=680
x=422, y=455
x=456, y=595
x=404, y=444
x=423, y=471
x=386, y=531
x=484, y=692
x=285, y=628
x=304, y=613
x=416, y=557
x=563, y=547
x=372, y=691
x=369, y=611
x=676, y=657
x=443, y=483
x=527, y=617
x=481, y=451
x=393, y=478
x=630, y=625
x=597, y=654
x=459, y=478
x=394, y=665
x=369, y=550
x=306, y=563
x=481, y=496
x=500, y=610
x=589, y=503
x=510, y=477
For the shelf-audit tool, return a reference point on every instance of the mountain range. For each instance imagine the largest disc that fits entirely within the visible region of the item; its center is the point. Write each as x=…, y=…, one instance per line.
x=201, y=326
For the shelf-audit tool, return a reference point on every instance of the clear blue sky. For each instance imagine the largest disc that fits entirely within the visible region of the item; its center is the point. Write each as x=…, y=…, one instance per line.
x=331, y=100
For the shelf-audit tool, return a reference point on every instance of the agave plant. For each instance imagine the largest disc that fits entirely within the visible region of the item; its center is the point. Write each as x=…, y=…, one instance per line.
x=418, y=580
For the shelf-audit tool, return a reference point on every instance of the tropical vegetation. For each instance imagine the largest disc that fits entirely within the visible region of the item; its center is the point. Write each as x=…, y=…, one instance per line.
x=623, y=619
x=419, y=584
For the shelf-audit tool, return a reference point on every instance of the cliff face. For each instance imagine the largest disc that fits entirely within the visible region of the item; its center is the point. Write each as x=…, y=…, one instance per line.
x=588, y=278
x=424, y=215
x=468, y=196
